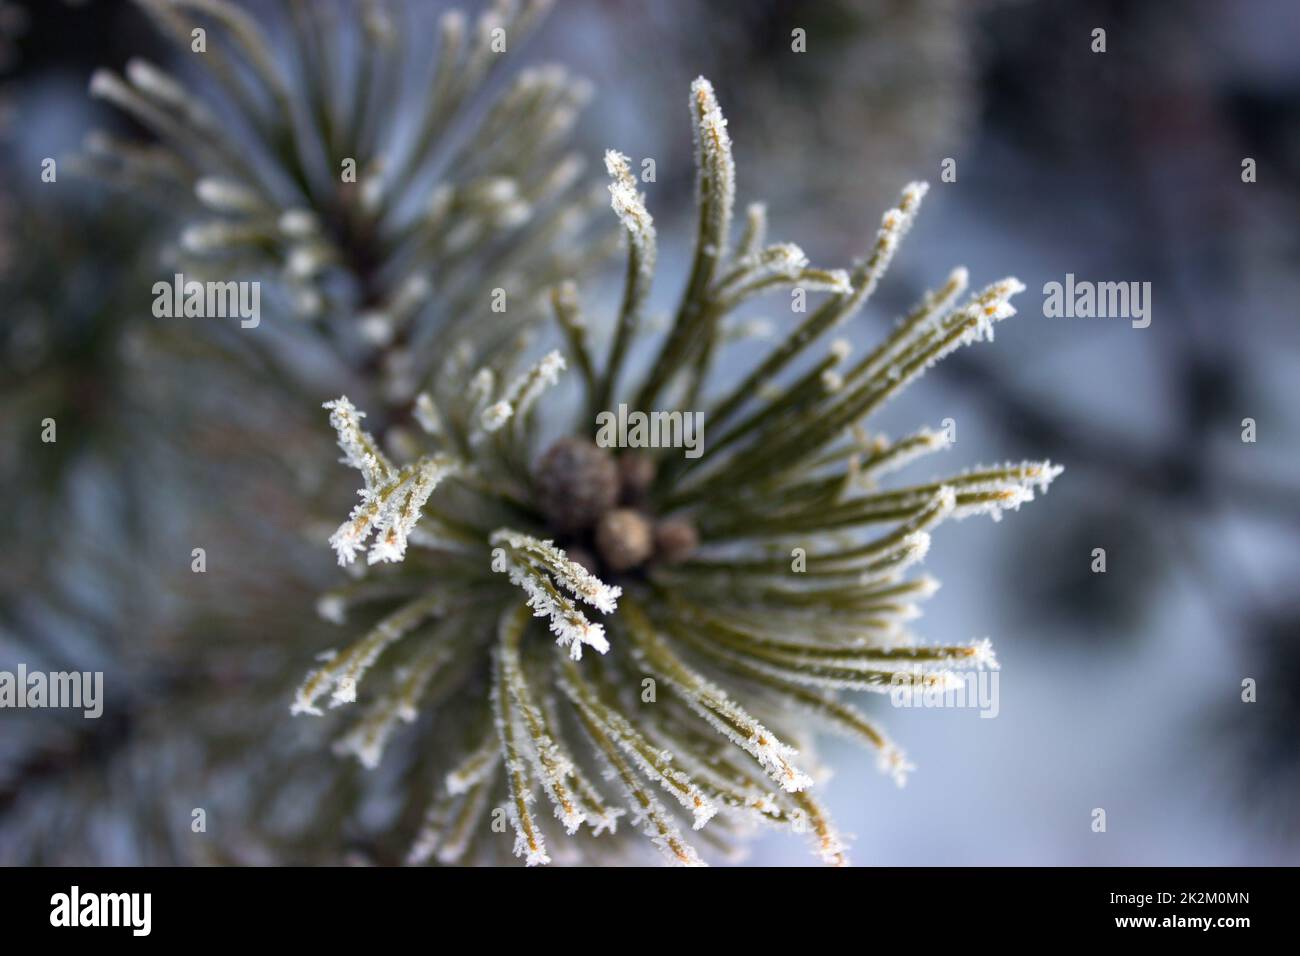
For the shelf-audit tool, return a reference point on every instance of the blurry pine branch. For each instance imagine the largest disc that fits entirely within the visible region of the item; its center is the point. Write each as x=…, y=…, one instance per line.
x=376, y=192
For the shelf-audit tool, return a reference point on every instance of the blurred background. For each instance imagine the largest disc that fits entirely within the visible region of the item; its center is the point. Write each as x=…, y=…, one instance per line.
x=1119, y=691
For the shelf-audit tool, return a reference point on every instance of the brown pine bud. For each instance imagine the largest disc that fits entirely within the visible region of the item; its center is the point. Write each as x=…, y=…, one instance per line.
x=624, y=538
x=636, y=473
x=577, y=482
x=675, y=540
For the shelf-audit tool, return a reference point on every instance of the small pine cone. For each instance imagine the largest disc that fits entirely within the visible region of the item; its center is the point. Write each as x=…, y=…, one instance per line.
x=636, y=473
x=624, y=538
x=675, y=540
x=577, y=482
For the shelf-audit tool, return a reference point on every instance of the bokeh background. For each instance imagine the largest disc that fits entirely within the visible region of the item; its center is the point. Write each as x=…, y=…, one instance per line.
x=1119, y=691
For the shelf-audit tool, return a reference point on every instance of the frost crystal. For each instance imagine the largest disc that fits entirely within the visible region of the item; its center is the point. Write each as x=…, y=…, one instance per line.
x=629, y=205
x=392, y=499
x=536, y=566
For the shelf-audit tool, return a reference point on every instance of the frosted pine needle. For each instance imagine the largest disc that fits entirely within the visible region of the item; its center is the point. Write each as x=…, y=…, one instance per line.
x=537, y=567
